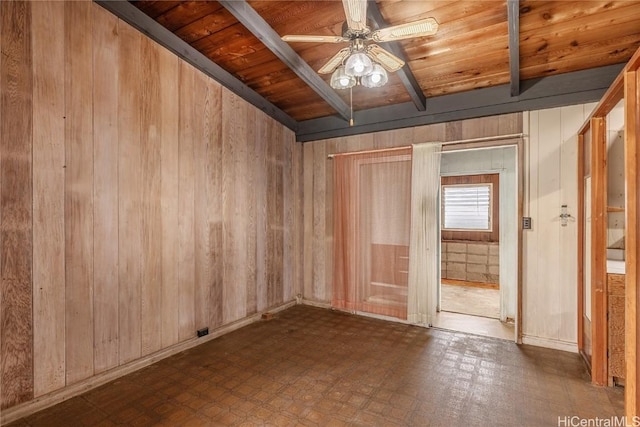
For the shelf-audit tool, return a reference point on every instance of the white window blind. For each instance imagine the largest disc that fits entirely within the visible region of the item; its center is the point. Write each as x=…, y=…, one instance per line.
x=466, y=207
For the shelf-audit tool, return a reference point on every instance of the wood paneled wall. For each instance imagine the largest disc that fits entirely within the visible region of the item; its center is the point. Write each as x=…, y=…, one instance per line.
x=140, y=200
x=318, y=184
x=550, y=251
x=16, y=211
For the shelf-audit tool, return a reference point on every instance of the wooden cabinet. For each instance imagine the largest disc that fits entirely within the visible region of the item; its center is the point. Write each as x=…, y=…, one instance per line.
x=616, y=361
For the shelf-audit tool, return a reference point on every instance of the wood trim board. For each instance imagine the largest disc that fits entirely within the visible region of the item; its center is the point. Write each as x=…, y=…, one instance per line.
x=598, y=251
x=632, y=220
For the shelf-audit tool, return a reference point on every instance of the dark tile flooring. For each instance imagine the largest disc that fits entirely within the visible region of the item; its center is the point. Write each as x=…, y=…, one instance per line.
x=315, y=367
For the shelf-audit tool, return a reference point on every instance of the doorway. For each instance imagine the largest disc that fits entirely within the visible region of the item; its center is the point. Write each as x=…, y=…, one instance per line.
x=479, y=241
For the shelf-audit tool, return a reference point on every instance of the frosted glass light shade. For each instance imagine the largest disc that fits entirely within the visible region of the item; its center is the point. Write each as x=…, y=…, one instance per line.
x=376, y=78
x=358, y=65
x=341, y=80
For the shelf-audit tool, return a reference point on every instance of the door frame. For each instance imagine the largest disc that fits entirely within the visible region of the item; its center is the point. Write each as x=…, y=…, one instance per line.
x=517, y=143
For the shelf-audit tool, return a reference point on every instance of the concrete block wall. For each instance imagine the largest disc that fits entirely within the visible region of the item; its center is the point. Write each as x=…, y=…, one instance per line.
x=471, y=261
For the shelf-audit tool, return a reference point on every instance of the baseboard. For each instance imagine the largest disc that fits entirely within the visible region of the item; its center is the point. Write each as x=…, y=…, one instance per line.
x=357, y=313
x=316, y=303
x=571, y=347
x=42, y=402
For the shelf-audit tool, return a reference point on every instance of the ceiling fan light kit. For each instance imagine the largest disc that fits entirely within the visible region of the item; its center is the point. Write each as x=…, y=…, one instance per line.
x=341, y=80
x=364, y=62
x=376, y=78
x=358, y=64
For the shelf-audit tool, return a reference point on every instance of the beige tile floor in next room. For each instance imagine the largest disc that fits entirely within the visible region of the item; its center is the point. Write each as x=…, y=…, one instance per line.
x=310, y=366
x=473, y=310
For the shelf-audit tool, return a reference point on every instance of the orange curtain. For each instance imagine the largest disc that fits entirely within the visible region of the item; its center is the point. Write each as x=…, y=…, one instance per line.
x=372, y=215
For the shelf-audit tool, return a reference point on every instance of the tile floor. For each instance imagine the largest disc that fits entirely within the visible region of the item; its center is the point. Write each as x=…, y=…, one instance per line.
x=471, y=300
x=315, y=367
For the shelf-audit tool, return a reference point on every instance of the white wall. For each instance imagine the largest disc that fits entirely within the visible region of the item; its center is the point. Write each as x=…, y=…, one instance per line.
x=550, y=265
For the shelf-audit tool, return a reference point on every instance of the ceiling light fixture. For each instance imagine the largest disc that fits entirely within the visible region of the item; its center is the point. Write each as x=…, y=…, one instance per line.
x=376, y=78
x=341, y=80
x=364, y=61
x=358, y=69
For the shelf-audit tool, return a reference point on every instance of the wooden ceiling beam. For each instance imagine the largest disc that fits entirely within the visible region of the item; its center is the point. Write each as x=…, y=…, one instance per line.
x=547, y=92
x=404, y=74
x=147, y=25
x=248, y=17
x=513, y=17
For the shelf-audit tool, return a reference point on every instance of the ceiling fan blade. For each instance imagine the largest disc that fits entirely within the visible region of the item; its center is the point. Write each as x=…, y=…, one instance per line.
x=356, y=13
x=314, y=39
x=334, y=62
x=423, y=27
x=389, y=61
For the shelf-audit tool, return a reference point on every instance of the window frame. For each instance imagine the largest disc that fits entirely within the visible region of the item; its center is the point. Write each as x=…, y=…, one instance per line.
x=477, y=236
x=466, y=230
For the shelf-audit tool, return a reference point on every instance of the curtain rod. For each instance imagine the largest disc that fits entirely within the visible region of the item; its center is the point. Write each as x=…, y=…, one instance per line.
x=459, y=141
x=377, y=150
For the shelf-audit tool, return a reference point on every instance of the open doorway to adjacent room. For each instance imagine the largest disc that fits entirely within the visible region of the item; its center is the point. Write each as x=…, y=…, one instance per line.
x=470, y=258
x=474, y=296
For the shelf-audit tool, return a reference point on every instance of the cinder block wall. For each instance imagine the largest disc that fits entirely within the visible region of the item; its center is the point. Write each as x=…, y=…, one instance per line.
x=471, y=261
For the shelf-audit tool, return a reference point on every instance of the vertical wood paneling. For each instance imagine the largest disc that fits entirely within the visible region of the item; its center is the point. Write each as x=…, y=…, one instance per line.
x=159, y=205
x=481, y=127
x=275, y=236
x=289, y=197
x=151, y=220
x=253, y=133
x=548, y=224
x=260, y=175
x=433, y=133
x=105, y=190
x=234, y=201
x=319, y=224
x=16, y=333
x=130, y=190
x=550, y=251
x=331, y=147
x=453, y=131
x=79, y=190
x=215, y=221
x=201, y=140
x=186, y=202
x=48, y=198
x=309, y=197
x=240, y=170
x=298, y=185
x=530, y=237
x=205, y=202
x=571, y=119
x=509, y=124
x=169, y=154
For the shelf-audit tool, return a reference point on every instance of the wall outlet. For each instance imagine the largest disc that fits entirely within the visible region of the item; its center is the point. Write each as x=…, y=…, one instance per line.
x=202, y=332
x=526, y=223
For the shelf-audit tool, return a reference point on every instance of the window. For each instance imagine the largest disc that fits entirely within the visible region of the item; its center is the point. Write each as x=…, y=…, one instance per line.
x=467, y=207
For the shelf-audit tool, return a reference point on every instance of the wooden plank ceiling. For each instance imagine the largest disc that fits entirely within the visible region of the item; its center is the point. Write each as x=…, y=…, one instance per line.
x=470, y=50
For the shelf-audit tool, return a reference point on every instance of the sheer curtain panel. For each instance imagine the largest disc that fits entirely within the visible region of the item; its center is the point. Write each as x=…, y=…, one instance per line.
x=372, y=218
x=424, y=248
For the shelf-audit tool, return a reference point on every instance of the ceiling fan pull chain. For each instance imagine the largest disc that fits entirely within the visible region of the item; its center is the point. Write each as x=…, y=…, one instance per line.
x=351, y=105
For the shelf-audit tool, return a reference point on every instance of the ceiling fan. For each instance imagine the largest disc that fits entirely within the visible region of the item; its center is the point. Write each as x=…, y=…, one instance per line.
x=364, y=62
